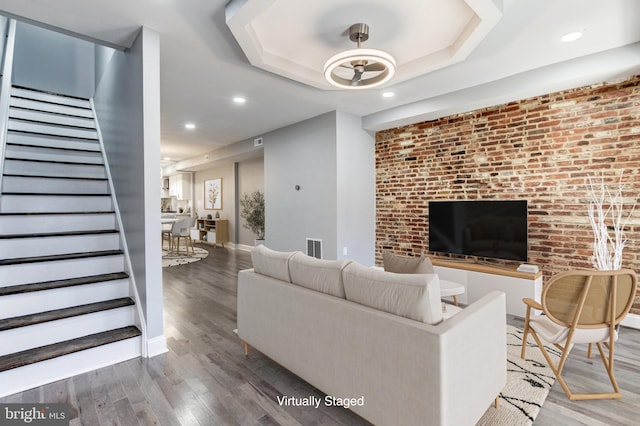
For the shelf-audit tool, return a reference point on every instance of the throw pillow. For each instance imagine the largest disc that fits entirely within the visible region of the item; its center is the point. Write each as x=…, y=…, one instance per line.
x=320, y=275
x=415, y=296
x=406, y=265
x=272, y=263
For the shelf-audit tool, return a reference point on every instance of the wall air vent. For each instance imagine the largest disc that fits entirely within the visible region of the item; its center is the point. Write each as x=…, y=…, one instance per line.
x=314, y=248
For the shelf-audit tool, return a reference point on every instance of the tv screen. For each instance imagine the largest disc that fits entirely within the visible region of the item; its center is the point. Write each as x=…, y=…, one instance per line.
x=483, y=228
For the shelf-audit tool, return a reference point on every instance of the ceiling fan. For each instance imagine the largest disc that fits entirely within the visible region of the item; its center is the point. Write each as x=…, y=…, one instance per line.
x=360, y=33
x=359, y=68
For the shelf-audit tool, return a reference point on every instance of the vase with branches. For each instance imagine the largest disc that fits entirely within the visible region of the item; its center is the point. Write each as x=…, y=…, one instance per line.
x=608, y=221
x=252, y=211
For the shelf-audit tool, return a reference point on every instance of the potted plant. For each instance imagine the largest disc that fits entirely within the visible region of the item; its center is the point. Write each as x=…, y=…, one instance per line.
x=252, y=211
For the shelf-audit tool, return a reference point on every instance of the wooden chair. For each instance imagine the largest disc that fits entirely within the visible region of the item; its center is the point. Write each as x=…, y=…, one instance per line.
x=581, y=307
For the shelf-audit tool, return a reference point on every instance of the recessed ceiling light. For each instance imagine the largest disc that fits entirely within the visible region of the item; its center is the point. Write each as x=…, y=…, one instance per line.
x=569, y=37
x=388, y=95
x=189, y=126
x=239, y=100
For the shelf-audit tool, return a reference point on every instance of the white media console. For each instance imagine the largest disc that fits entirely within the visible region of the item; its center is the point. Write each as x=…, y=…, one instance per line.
x=480, y=279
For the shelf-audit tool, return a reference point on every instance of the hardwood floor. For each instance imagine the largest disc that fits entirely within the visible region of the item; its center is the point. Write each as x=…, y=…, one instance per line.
x=205, y=379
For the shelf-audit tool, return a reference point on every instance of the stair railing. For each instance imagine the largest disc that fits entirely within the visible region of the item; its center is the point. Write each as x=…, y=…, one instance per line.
x=5, y=90
x=125, y=248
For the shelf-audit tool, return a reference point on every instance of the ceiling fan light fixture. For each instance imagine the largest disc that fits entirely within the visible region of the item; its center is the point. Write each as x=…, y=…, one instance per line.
x=359, y=68
x=348, y=58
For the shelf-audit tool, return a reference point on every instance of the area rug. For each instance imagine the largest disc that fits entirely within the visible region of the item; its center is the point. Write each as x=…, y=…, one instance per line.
x=528, y=383
x=173, y=259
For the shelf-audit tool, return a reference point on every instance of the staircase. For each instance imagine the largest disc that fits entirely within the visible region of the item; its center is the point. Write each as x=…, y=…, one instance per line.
x=65, y=298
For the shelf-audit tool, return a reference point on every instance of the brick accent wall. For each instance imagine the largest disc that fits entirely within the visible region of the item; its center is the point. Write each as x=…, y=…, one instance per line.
x=542, y=149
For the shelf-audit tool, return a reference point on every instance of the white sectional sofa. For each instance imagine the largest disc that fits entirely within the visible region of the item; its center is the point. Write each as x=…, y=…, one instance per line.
x=330, y=323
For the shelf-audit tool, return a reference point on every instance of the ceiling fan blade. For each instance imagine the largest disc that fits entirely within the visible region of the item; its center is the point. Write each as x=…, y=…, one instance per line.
x=357, y=75
x=376, y=66
x=344, y=65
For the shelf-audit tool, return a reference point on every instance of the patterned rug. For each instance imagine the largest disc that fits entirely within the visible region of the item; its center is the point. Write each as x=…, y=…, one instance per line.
x=172, y=259
x=528, y=383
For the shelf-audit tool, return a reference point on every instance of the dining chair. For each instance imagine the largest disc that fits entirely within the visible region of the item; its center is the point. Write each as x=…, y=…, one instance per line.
x=581, y=307
x=182, y=229
x=166, y=232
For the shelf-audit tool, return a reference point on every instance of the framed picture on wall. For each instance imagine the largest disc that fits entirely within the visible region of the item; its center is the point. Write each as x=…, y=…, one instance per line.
x=213, y=194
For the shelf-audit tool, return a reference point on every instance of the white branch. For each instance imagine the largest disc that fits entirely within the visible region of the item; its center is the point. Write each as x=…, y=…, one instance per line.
x=607, y=249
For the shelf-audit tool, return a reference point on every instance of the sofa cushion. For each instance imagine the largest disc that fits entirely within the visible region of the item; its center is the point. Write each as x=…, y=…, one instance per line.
x=406, y=264
x=316, y=274
x=274, y=264
x=415, y=296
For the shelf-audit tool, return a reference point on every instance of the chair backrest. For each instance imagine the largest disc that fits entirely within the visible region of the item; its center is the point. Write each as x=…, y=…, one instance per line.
x=589, y=299
x=182, y=227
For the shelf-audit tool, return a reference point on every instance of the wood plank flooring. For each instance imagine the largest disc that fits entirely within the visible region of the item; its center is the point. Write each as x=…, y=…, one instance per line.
x=205, y=379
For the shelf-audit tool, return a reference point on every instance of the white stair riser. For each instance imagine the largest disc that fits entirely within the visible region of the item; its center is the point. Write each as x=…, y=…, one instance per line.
x=34, y=168
x=45, y=97
x=15, y=305
x=12, y=248
x=63, y=203
x=54, y=186
x=52, y=154
x=15, y=225
x=59, y=270
x=47, y=117
x=47, y=141
x=34, y=375
x=51, y=130
x=44, y=106
x=33, y=336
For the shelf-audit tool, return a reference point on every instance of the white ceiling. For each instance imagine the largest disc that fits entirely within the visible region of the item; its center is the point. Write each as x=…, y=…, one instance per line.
x=422, y=36
x=203, y=67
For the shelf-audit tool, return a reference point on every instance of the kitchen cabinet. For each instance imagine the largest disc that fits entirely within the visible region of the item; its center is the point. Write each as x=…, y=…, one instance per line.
x=180, y=186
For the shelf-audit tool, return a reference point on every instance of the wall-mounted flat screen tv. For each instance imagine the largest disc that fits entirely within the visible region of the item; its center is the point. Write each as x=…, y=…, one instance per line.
x=483, y=228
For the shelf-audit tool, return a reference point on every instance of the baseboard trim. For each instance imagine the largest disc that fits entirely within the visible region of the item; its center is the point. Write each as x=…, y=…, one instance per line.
x=243, y=247
x=157, y=346
x=632, y=321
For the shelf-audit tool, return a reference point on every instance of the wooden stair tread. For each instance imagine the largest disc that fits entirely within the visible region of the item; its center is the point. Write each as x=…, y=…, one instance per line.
x=54, y=177
x=43, y=353
x=54, y=213
x=53, y=125
x=60, y=138
x=35, y=160
x=59, y=148
x=57, y=194
x=60, y=234
x=56, y=257
x=53, y=135
x=57, y=314
x=46, y=92
x=49, y=285
x=53, y=113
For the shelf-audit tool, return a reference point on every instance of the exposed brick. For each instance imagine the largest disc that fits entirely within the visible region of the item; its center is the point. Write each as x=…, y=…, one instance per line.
x=542, y=149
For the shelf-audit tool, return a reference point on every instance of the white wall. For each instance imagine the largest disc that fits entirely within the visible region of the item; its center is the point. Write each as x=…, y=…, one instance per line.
x=333, y=160
x=127, y=103
x=301, y=154
x=53, y=62
x=250, y=179
x=356, y=204
x=4, y=26
x=102, y=58
x=225, y=171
